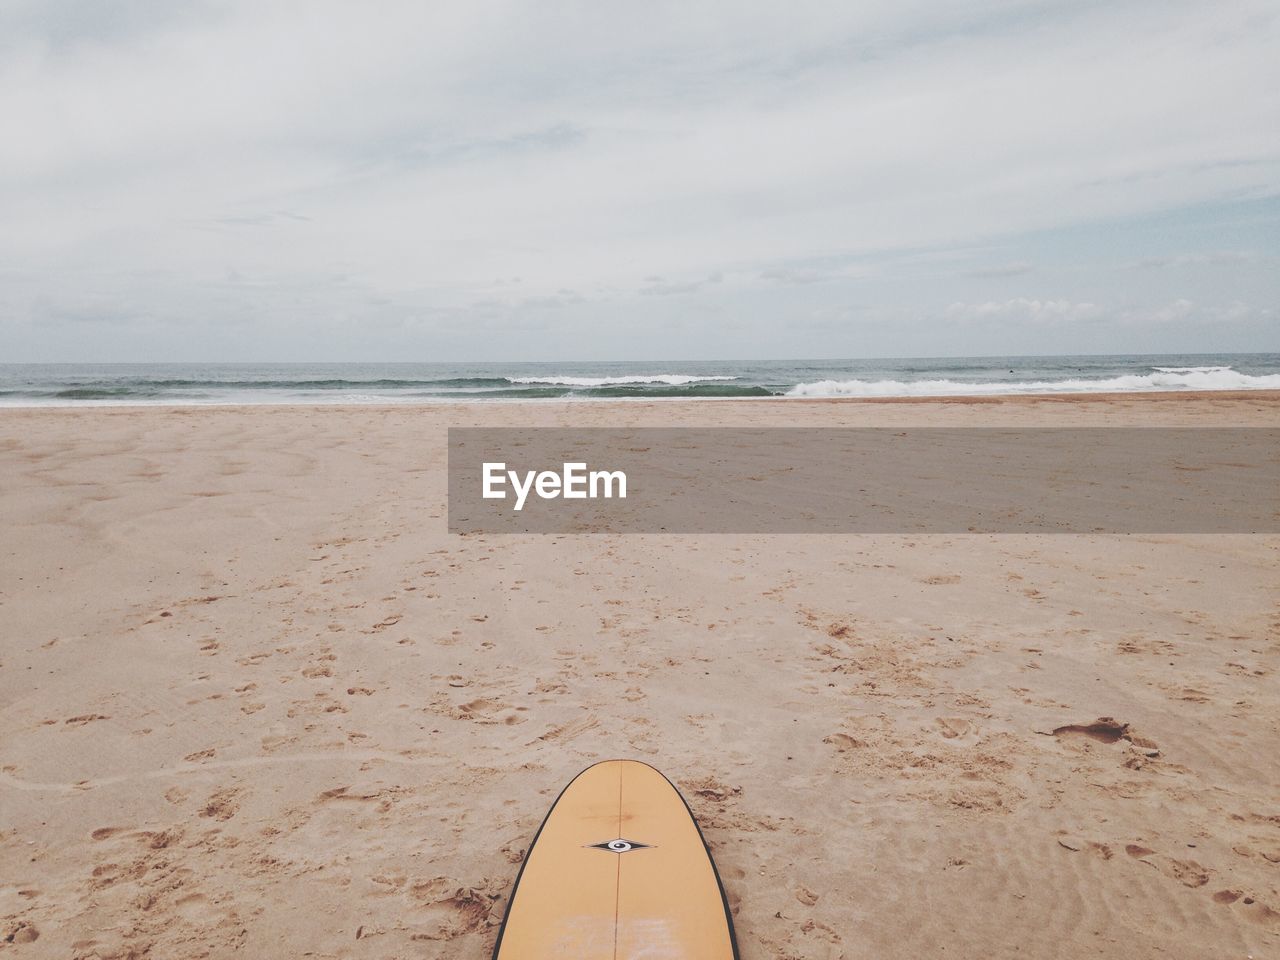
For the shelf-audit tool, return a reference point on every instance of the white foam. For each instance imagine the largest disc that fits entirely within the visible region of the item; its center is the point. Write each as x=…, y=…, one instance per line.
x=1190, y=369
x=1188, y=378
x=670, y=379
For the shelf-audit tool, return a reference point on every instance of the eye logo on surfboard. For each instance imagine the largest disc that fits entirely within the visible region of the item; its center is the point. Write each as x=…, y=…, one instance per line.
x=619, y=845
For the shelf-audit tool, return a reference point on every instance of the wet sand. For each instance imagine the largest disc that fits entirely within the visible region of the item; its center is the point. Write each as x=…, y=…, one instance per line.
x=256, y=701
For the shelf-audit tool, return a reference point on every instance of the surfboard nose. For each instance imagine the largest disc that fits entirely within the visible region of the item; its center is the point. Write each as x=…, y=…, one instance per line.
x=618, y=869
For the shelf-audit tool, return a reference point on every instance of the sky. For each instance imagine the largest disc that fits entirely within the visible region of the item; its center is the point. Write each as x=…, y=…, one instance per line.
x=472, y=181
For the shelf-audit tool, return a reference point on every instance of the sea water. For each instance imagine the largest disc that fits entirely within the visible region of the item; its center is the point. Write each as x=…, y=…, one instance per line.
x=355, y=383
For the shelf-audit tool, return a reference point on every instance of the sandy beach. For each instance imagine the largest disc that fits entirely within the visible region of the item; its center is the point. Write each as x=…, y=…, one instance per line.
x=256, y=701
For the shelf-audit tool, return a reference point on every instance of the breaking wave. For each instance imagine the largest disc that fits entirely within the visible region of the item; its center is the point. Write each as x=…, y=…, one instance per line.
x=670, y=379
x=1162, y=378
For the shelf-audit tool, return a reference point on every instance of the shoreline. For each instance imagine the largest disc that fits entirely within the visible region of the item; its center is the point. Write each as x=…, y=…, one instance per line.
x=1262, y=396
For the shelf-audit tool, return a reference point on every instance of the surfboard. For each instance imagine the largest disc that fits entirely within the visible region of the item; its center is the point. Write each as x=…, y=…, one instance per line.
x=618, y=871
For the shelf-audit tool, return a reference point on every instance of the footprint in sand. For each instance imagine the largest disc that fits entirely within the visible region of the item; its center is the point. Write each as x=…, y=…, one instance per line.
x=22, y=932
x=449, y=909
x=1075, y=844
x=514, y=851
x=567, y=731
x=222, y=805
x=843, y=742
x=1104, y=730
x=1187, y=872
x=709, y=788
x=1270, y=853
x=384, y=885
x=109, y=874
x=1253, y=909
x=478, y=709
x=954, y=727
x=194, y=906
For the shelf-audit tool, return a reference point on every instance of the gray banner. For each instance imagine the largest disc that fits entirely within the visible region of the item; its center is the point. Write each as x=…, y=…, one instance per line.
x=865, y=480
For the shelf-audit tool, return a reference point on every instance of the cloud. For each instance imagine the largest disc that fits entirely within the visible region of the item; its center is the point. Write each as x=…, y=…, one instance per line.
x=1183, y=311
x=1027, y=313
x=423, y=150
x=1174, y=312
x=1022, y=310
x=1211, y=258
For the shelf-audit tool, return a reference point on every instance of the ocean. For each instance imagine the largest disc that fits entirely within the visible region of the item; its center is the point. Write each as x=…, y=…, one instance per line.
x=357, y=383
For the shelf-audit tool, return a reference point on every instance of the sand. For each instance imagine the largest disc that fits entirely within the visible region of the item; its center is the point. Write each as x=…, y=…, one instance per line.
x=255, y=701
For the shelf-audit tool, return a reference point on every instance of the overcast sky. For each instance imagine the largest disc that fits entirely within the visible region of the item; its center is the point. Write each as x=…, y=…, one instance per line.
x=540, y=181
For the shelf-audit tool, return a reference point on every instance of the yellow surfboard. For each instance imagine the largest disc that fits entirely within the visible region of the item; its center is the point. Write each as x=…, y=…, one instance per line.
x=618, y=871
